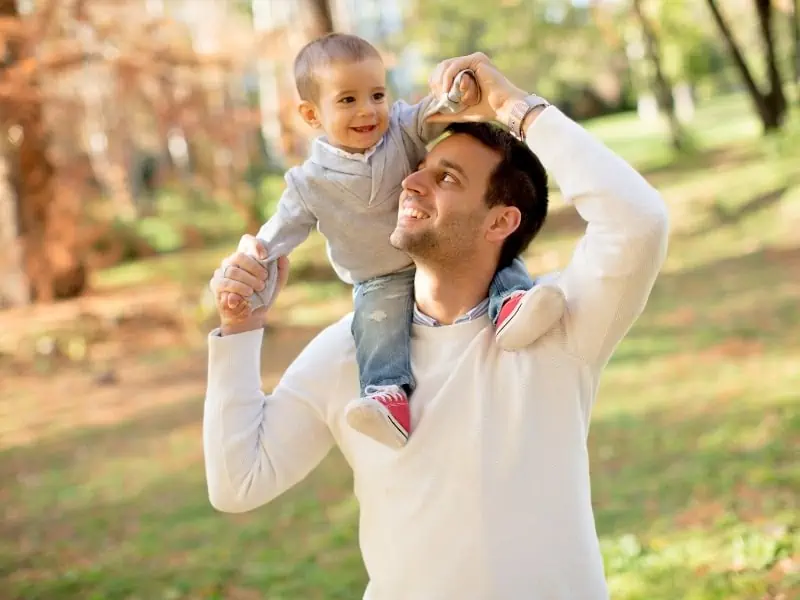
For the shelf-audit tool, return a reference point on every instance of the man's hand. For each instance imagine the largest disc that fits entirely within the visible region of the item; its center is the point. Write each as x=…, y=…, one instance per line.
x=239, y=276
x=497, y=93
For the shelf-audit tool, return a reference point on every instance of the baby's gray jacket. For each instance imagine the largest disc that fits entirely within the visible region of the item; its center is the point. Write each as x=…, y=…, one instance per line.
x=353, y=203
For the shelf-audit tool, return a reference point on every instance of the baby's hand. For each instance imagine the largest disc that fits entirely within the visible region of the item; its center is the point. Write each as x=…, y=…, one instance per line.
x=470, y=90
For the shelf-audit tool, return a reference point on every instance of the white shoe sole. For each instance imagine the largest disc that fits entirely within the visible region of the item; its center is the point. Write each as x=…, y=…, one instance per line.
x=375, y=421
x=532, y=318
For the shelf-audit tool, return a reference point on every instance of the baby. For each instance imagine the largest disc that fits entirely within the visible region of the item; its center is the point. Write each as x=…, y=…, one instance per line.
x=349, y=188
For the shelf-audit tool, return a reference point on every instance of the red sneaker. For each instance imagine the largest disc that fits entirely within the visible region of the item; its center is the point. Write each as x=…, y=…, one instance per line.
x=527, y=316
x=509, y=310
x=383, y=414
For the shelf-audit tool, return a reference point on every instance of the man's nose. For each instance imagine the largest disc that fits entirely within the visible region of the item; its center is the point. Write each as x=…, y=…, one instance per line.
x=416, y=182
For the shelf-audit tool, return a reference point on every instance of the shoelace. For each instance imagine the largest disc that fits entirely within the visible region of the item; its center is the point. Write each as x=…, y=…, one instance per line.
x=392, y=397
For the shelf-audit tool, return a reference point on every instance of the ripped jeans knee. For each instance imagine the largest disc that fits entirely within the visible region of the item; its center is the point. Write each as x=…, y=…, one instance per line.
x=382, y=330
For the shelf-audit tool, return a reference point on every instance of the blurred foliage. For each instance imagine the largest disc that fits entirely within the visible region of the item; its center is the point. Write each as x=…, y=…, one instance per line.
x=553, y=47
x=179, y=219
x=583, y=55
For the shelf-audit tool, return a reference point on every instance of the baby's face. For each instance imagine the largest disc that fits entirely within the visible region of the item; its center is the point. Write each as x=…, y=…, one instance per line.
x=353, y=109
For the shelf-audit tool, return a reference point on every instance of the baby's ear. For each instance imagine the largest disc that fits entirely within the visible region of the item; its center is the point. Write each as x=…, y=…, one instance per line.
x=310, y=114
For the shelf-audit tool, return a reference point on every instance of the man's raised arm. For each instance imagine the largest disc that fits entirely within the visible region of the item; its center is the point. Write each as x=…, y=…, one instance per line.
x=615, y=264
x=257, y=446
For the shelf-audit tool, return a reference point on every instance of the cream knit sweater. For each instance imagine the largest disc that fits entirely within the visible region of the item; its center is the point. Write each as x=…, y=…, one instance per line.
x=490, y=499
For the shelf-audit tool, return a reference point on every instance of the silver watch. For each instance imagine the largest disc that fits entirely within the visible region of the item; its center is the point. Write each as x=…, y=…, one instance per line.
x=520, y=110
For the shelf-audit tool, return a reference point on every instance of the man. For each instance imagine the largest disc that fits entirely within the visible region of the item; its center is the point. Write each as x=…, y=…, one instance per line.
x=490, y=499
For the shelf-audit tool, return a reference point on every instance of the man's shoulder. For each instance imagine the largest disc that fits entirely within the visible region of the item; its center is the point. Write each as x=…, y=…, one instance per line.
x=338, y=334
x=331, y=349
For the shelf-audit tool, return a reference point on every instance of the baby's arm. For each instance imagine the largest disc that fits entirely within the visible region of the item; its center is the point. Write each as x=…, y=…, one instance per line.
x=411, y=117
x=291, y=224
x=289, y=227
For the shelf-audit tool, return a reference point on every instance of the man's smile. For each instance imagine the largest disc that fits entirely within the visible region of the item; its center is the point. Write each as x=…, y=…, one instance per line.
x=413, y=213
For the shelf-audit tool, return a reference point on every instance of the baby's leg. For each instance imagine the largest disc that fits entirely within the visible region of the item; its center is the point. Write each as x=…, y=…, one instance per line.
x=382, y=331
x=522, y=310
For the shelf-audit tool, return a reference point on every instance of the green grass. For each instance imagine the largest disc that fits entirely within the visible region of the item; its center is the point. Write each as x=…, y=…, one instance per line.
x=694, y=441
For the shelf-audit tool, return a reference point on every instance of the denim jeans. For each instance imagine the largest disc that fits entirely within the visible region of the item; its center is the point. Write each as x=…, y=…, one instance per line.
x=384, y=308
x=383, y=312
x=510, y=279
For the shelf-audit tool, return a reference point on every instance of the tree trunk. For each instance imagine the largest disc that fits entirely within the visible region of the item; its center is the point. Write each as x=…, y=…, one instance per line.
x=49, y=219
x=765, y=110
x=775, y=98
x=305, y=21
x=796, y=30
x=48, y=213
x=321, y=18
x=265, y=22
x=14, y=286
x=661, y=85
x=98, y=91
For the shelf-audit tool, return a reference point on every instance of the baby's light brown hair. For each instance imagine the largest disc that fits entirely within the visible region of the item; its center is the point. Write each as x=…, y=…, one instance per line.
x=324, y=51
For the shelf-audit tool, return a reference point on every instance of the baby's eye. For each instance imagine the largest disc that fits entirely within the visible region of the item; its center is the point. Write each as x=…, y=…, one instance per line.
x=378, y=96
x=347, y=100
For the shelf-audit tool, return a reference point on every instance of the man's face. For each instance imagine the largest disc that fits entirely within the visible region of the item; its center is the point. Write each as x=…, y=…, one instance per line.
x=352, y=108
x=442, y=214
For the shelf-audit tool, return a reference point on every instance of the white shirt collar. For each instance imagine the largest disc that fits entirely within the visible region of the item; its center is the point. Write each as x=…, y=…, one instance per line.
x=359, y=156
x=477, y=311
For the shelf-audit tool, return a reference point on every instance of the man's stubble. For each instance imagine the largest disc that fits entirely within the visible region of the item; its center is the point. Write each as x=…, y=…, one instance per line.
x=446, y=245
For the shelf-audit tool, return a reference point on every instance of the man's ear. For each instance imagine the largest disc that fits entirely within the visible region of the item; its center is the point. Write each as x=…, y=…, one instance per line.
x=310, y=113
x=504, y=220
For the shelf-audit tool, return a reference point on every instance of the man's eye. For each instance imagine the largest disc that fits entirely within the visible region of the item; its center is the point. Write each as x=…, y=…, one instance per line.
x=347, y=100
x=378, y=96
x=448, y=178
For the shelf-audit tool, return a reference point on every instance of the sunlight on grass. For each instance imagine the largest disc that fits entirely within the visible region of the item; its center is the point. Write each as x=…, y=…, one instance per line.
x=721, y=122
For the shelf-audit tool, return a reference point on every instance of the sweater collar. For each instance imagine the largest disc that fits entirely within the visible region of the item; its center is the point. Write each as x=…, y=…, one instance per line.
x=357, y=156
x=335, y=159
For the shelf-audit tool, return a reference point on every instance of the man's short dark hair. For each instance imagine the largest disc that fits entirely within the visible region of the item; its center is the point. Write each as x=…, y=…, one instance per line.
x=519, y=179
x=324, y=51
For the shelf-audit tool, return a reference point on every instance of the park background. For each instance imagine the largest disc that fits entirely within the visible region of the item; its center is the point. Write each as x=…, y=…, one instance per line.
x=140, y=139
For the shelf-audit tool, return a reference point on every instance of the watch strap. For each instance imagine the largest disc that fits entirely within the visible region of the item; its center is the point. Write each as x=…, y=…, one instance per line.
x=520, y=110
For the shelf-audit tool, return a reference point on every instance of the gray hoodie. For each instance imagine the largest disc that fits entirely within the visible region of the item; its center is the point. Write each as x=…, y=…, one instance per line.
x=353, y=202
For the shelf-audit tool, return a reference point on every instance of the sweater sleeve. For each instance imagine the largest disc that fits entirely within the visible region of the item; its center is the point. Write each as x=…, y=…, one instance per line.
x=409, y=117
x=259, y=445
x=292, y=222
x=615, y=264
